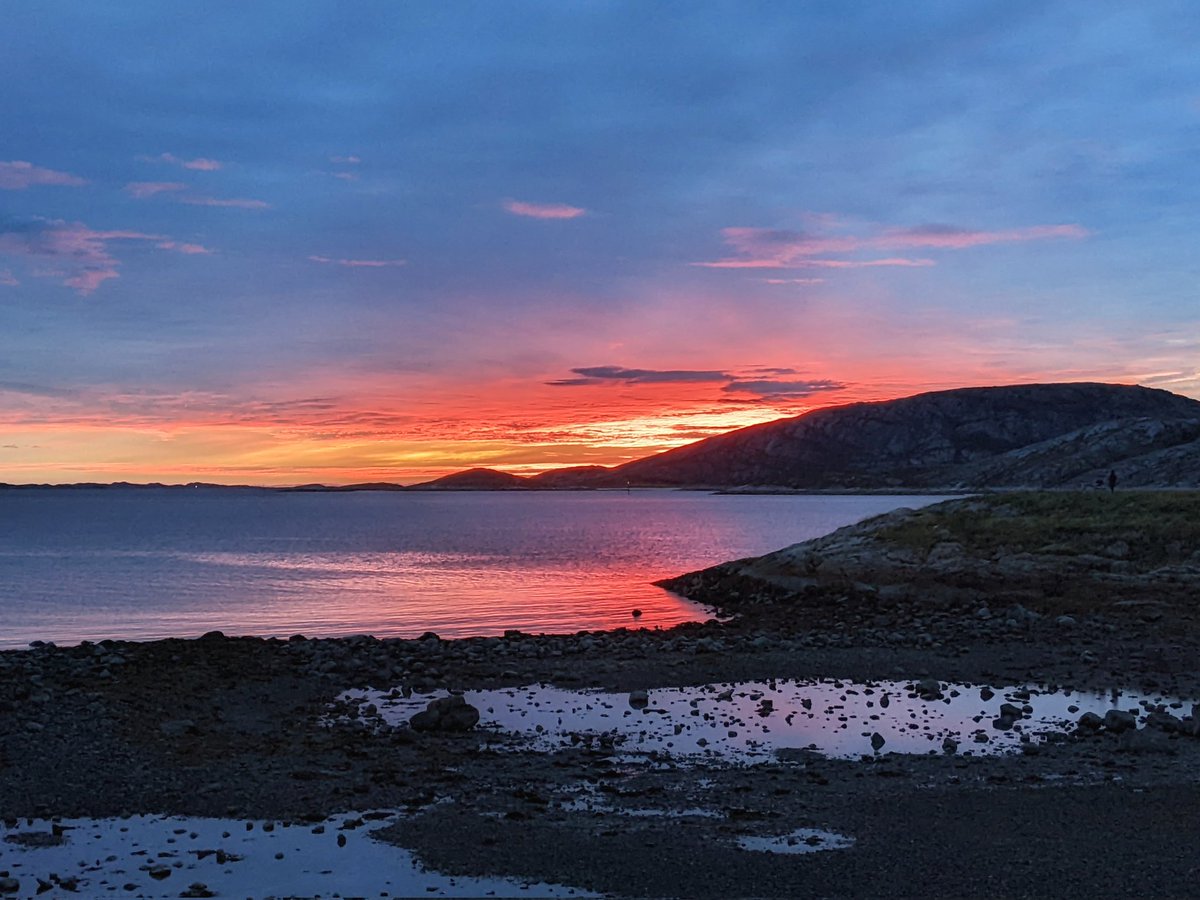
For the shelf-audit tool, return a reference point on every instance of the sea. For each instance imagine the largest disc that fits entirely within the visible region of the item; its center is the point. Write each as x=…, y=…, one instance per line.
x=142, y=564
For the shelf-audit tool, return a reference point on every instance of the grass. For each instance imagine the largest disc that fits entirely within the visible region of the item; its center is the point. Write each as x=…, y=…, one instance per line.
x=1158, y=527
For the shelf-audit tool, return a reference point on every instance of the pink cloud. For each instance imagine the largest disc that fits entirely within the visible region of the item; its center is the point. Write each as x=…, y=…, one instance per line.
x=142, y=189
x=183, y=247
x=71, y=251
x=544, y=210
x=950, y=237
x=359, y=263
x=199, y=164
x=792, y=280
x=7, y=278
x=18, y=175
x=231, y=202
x=767, y=248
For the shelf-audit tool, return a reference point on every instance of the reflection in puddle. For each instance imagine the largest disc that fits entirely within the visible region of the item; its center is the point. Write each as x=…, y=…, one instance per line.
x=157, y=856
x=802, y=840
x=750, y=721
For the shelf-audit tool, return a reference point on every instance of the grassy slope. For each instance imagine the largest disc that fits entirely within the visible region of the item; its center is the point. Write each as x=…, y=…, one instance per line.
x=1158, y=528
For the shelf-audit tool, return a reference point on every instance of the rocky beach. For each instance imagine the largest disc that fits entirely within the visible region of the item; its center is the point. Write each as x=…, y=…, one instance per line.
x=990, y=605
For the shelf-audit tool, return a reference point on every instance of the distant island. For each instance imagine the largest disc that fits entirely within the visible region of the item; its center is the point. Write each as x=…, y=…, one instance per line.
x=1018, y=436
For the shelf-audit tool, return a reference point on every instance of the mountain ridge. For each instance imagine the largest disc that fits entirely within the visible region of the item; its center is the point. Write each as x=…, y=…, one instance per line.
x=1039, y=435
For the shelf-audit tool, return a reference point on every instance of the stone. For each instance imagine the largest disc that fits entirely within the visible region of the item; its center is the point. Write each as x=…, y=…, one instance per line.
x=877, y=741
x=452, y=713
x=1118, y=720
x=159, y=872
x=1166, y=722
x=1008, y=711
x=1065, y=621
x=1089, y=721
x=9, y=885
x=639, y=699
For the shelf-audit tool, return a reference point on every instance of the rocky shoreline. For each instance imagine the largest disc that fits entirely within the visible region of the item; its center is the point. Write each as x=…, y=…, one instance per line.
x=245, y=728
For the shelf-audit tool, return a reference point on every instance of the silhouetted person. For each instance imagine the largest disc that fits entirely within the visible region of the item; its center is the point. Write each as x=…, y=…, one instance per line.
x=1112, y=480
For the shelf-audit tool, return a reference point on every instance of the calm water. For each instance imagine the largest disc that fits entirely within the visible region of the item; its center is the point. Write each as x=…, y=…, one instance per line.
x=86, y=565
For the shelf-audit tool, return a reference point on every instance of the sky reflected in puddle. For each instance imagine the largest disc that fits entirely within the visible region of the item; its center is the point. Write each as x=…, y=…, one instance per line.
x=802, y=840
x=159, y=856
x=750, y=721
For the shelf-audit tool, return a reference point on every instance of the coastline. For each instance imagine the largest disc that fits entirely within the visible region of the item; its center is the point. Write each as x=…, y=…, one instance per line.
x=254, y=729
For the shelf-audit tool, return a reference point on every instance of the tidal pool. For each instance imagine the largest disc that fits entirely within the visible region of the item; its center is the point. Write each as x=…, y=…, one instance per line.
x=750, y=721
x=159, y=856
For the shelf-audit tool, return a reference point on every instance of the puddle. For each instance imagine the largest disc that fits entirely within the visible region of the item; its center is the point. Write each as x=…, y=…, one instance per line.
x=158, y=856
x=802, y=840
x=749, y=722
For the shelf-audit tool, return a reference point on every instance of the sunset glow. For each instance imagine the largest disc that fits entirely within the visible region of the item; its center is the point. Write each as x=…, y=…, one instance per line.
x=348, y=244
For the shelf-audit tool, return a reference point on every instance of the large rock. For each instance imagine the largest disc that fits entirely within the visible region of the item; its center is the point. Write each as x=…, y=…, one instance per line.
x=451, y=713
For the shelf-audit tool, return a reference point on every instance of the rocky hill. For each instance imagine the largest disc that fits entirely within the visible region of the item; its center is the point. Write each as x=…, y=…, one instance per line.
x=1025, y=435
x=474, y=480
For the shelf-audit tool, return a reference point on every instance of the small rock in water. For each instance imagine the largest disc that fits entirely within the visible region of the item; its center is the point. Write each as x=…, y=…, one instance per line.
x=451, y=713
x=637, y=613
x=877, y=741
x=639, y=699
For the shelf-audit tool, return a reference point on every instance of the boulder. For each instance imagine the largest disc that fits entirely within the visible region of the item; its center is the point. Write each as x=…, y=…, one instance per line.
x=452, y=713
x=1118, y=720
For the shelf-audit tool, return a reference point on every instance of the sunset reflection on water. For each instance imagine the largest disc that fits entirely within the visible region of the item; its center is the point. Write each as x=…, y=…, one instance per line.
x=89, y=565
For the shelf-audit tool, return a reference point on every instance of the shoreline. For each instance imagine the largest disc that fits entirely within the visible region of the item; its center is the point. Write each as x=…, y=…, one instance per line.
x=257, y=729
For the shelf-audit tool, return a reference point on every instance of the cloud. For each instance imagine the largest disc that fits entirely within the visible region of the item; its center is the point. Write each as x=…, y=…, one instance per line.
x=7, y=278
x=345, y=160
x=360, y=263
x=77, y=254
x=544, y=210
x=772, y=248
x=792, y=280
x=783, y=389
x=590, y=375
x=199, y=164
x=175, y=191
x=141, y=189
x=231, y=202
x=183, y=247
x=954, y=238
x=17, y=176
x=345, y=176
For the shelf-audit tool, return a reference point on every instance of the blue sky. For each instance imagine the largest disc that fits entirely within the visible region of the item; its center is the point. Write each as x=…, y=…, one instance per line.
x=318, y=241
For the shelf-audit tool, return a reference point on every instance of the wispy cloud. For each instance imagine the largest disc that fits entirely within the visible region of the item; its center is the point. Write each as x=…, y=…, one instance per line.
x=771, y=248
x=177, y=191
x=543, y=210
x=954, y=238
x=226, y=202
x=183, y=247
x=345, y=160
x=18, y=175
x=792, y=280
x=7, y=278
x=359, y=263
x=141, y=189
x=767, y=387
x=589, y=375
x=79, y=255
x=199, y=164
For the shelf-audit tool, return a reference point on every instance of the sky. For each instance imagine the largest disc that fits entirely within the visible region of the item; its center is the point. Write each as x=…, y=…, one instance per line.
x=280, y=243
